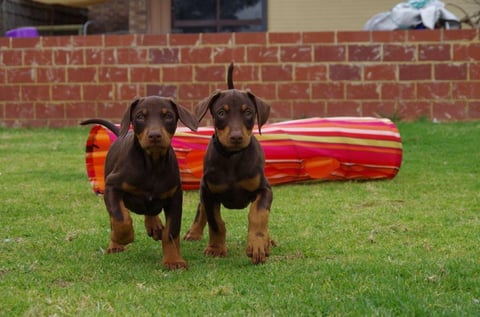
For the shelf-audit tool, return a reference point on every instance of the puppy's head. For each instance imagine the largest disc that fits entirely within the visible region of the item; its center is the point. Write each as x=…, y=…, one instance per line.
x=234, y=113
x=154, y=120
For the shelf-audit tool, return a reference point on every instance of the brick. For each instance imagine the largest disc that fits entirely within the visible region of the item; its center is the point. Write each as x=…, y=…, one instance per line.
x=398, y=91
x=394, y=52
x=19, y=110
x=474, y=71
x=280, y=110
x=9, y=92
x=210, y=73
x=120, y=40
x=68, y=57
x=296, y=54
x=379, y=72
x=353, y=36
x=25, y=42
x=177, y=73
x=21, y=75
x=37, y=57
x=284, y=38
x=460, y=35
x=434, y=52
x=128, y=56
x=100, y=56
x=343, y=108
x=35, y=92
x=246, y=73
x=88, y=41
x=228, y=54
x=49, y=111
x=308, y=109
x=450, y=71
x=56, y=41
x=5, y=42
x=217, y=38
x=250, y=38
x=294, y=91
x=11, y=57
x=126, y=91
x=82, y=74
x=310, y=72
x=163, y=90
x=80, y=110
x=51, y=74
x=414, y=110
x=470, y=52
x=164, y=55
x=196, y=55
x=144, y=74
x=424, y=35
x=194, y=91
x=258, y=54
x=318, y=37
x=447, y=111
x=62, y=92
x=466, y=90
x=187, y=39
x=152, y=39
x=276, y=72
x=113, y=74
x=433, y=90
x=364, y=53
x=363, y=91
x=266, y=91
x=329, y=91
x=389, y=36
x=344, y=72
x=474, y=110
x=415, y=72
x=96, y=92
x=112, y=110
x=330, y=53
x=379, y=109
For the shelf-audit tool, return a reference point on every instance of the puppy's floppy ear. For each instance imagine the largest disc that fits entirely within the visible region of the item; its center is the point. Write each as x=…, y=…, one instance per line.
x=203, y=106
x=127, y=118
x=185, y=116
x=263, y=110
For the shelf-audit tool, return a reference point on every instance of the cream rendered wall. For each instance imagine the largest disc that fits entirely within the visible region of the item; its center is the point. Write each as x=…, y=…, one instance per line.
x=346, y=15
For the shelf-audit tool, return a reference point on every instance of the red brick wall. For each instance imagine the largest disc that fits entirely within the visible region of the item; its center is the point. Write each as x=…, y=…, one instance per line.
x=58, y=81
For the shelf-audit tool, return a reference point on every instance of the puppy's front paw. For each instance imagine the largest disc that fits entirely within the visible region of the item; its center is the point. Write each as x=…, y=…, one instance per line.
x=258, y=248
x=193, y=235
x=154, y=227
x=175, y=265
x=115, y=248
x=216, y=250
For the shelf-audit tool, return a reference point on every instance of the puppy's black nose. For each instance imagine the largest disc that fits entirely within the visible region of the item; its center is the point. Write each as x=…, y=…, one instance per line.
x=236, y=137
x=155, y=136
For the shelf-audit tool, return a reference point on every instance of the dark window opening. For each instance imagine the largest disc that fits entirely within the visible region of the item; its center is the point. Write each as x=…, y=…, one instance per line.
x=193, y=16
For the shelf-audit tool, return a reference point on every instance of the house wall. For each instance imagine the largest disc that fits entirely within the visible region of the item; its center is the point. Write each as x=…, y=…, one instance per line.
x=58, y=81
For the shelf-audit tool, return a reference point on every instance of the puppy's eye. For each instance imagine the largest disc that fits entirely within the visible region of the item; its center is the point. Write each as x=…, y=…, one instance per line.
x=140, y=116
x=248, y=113
x=221, y=113
x=169, y=116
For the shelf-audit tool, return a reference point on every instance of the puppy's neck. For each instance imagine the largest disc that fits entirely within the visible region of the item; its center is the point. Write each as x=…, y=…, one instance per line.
x=224, y=151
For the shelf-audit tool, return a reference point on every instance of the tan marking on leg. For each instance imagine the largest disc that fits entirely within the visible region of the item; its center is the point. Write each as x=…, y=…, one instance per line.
x=172, y=257
x=196, y=229
x=121, y=231
x=258, y=240
x=154, y=227
x=216, y=240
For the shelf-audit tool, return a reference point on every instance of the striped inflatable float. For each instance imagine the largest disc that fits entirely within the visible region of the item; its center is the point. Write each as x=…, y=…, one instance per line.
x=337, y=148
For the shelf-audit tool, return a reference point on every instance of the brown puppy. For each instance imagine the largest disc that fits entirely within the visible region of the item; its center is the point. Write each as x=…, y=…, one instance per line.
x=142, y=175
x=233, y=172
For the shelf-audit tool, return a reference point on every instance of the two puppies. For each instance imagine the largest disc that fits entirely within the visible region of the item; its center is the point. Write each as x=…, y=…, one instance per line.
x=141, y=174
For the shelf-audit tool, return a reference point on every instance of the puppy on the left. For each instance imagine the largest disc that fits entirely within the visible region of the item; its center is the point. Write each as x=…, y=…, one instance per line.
x=142, y=175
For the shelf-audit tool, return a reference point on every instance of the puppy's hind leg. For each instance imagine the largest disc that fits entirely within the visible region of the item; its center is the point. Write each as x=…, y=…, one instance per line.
x=196, y=229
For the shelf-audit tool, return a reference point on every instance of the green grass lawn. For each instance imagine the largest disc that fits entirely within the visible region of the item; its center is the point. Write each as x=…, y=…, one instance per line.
x=409, y=246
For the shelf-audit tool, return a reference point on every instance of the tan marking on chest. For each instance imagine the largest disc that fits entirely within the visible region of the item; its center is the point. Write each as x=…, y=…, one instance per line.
x=137, y=191
x=250, y=184
x=217, y=188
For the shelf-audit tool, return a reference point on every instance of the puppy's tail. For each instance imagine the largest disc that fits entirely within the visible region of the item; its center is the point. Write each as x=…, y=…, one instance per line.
x=110, y=125
x=230, y=76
